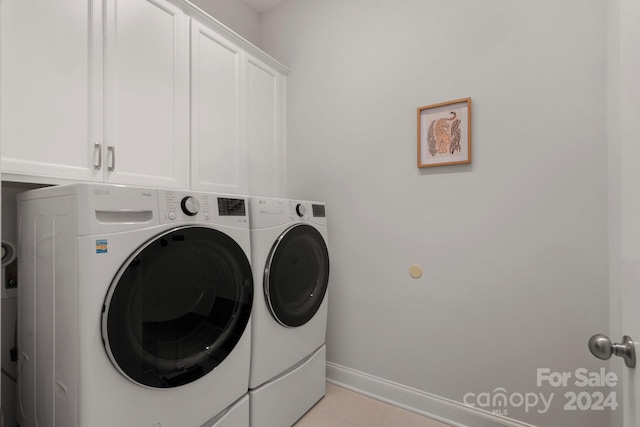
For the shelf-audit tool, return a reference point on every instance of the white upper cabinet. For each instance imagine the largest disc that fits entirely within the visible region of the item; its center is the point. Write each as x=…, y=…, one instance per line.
x=72, y=109
x=143, y=92
x=50, y=79
x=265, y=129
x=147, y=93
x=218, y=143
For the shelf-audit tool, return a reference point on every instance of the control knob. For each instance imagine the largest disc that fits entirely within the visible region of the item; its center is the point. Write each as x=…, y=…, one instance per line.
x=190, y=205
x=301, y=210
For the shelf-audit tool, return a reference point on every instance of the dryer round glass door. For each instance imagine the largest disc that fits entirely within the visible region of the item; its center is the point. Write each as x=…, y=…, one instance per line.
x=296, y=275
x=177, y=307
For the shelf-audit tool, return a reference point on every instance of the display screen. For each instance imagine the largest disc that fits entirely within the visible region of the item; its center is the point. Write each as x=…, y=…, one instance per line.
x=318, y=211
x=231, y=207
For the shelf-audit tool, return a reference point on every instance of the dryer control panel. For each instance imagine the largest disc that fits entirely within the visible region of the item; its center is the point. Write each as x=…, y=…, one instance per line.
x=270, y=212
x=307, y=211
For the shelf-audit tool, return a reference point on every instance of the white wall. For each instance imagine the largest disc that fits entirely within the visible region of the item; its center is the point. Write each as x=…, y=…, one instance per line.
x=235, y=14
x=513, y=246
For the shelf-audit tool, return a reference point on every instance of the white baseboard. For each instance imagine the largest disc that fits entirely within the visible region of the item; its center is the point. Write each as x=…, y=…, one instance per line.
x=438, y=408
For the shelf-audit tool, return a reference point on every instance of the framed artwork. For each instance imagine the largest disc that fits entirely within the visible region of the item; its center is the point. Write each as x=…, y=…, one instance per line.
x=444, y=133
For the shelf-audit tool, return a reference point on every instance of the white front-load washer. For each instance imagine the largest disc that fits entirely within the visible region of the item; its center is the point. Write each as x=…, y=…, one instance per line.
x=290, y=263
x=134, y=308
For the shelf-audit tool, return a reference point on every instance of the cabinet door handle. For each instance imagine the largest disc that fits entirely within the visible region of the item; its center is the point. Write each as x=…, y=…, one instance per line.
x=112, y=158
x=97, y=154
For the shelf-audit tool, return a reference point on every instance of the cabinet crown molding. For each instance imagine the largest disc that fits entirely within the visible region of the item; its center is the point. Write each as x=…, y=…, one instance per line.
x=226, y=32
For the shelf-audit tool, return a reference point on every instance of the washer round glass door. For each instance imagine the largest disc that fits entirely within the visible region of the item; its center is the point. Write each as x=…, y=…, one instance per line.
x=177, y=307
x=296, y=275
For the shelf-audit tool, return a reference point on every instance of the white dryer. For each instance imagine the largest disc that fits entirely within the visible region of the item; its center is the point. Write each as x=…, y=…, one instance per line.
x=134, y=308
x=290, y=264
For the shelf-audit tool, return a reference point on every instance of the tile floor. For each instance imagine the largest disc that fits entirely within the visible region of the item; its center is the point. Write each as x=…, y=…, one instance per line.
x=344, y=408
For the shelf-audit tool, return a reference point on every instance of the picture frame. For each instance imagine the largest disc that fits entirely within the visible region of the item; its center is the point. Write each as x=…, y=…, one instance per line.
x=444, y=133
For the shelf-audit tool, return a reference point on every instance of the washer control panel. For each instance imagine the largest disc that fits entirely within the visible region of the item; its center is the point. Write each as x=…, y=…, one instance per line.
x=190, y=205
x=180, y=206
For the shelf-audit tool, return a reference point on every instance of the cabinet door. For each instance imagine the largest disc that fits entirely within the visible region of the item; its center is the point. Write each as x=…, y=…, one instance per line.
x=51, y=94
x=265, y=129
x=147, y=90
x=218, y=147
